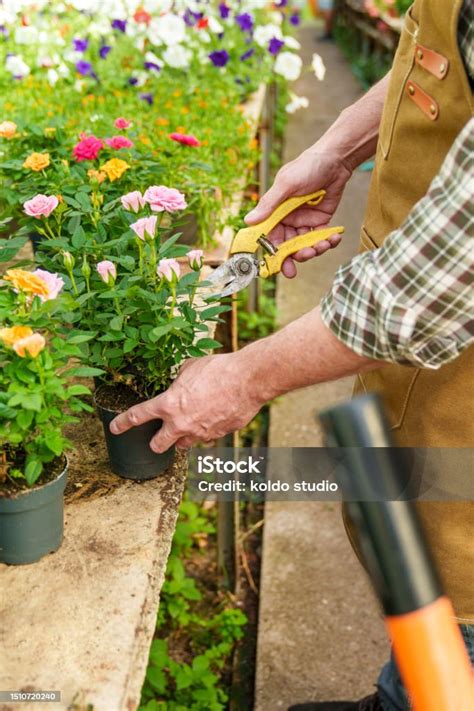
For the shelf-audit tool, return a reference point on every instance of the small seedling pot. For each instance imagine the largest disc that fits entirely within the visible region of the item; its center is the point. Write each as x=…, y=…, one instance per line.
x=130, y=455
x=32, y=522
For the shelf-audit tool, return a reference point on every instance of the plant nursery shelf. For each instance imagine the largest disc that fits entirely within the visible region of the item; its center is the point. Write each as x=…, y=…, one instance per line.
x=81, y=620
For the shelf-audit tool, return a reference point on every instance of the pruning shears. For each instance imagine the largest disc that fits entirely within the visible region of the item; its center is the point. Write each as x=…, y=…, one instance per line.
x=243, y=265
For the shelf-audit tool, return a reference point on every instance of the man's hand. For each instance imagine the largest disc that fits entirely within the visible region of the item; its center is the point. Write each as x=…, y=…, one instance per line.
x=315, y=169
x=208, y=399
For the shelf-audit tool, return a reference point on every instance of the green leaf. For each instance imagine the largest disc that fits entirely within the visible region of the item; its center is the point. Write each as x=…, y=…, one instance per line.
x=212, y=311
x=159, y=331
x=82, y=337
x=208, y=344
x=157, y=679
x=54, y=442
x=116, y=323
x=25, y=418
x=33, y=469
x=29, y=401
x=74, y=390
x=84, y=371
x=129, y=345
x=79, y=237
x=84, y=201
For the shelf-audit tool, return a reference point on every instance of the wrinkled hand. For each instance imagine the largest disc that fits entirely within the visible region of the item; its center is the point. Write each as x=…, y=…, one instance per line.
x=315, y=169
x=205, y=402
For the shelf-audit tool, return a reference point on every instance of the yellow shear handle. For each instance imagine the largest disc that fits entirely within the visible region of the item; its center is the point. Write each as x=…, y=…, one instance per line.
x=246, y=239
x=272, y=264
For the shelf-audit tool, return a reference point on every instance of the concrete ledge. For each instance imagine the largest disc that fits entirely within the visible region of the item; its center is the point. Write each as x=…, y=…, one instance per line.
x=81, y=620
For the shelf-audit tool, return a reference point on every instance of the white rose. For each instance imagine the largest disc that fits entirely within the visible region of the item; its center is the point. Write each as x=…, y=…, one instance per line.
x=288, y=65
x=169, y=29
x=264, y=33
x=297, y=102
x=16, y=66
x=177, y=56
x=318, y=67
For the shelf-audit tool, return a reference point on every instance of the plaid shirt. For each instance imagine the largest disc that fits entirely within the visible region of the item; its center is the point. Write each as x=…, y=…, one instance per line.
x=411, y=300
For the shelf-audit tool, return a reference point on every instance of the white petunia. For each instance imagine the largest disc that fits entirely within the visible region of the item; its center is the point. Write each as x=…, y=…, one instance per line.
x=169, y=29
x=157, y=6
x=288, y=65
x=177, y=56
x=151, y=57
x=291, y=42
x=215, y=26
x=53, y=76
x=26, y=35
x=264, y=33
x=16, y=66
x=297, y=102
x=63, y=70
x=318, y=67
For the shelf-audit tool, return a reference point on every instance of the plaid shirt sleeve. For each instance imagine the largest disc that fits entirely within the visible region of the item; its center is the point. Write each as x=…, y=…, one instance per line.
x=411, y=300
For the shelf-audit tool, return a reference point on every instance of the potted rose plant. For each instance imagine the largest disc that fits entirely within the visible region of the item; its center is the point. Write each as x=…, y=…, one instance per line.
x=142, y=316
x=37, y=400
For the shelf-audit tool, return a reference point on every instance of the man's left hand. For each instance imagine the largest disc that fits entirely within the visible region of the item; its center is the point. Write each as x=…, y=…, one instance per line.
x=206, y=401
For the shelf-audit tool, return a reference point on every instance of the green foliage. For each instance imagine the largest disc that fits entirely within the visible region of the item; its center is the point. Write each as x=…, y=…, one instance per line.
x=37, y=398
x=194, y=684
x=368, y=69
x=257, y=324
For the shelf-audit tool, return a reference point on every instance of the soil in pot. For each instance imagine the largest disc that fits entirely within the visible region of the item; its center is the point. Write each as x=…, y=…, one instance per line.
x=129, y=453
x=32, y=518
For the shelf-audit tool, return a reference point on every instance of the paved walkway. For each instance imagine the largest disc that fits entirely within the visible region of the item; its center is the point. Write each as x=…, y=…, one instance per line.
x=321, y=636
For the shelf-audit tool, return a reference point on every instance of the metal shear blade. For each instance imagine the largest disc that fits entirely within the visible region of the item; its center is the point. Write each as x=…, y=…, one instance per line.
x=234, y=275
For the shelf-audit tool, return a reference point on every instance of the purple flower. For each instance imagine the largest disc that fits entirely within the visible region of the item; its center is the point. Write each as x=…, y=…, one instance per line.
x=80, y=45
x=3, y=30
x=133, y=81
x=147, y=97
x=152, y=65
x=84, y=68
x=219, y=58
x=281, y=3
x=224, y=11
x=189, y=18
x=244, y=21
x=246, y=55
x=275, y=45
x=295, y=19
x=104, y=50
x=120, y=25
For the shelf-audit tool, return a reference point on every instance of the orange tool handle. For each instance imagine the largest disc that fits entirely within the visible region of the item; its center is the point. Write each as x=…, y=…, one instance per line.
x=432, y=658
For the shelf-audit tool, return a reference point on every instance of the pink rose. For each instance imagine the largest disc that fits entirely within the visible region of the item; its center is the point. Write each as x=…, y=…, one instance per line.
x=52, y=281
x=145, y=226
x=122, y=123
x=161, y=198
x=133, y=202
x=107, y=271
x=118, y=142
x=88, y=148
x=168, y=269
x=40, y=206
x=185, y=139
x=195, y=259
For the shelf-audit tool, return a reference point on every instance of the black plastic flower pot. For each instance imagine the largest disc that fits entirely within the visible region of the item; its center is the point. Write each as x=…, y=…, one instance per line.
x=130, y=455
x=32, y=522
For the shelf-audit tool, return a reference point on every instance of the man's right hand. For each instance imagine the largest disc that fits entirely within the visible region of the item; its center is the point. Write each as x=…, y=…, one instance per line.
x=315, y=169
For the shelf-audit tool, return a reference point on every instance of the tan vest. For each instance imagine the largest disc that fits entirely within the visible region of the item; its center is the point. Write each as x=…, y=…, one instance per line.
x=428, y=103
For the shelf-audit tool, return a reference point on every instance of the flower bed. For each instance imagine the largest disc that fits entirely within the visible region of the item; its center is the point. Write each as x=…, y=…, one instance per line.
x=172, y=82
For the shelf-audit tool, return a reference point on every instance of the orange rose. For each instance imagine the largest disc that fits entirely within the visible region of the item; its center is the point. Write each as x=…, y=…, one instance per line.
x=37, y=161
x=16, y=333
x=31, y=345
x=96, y=175
x=115, y=168
x=27, y=282
x=8, y=129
